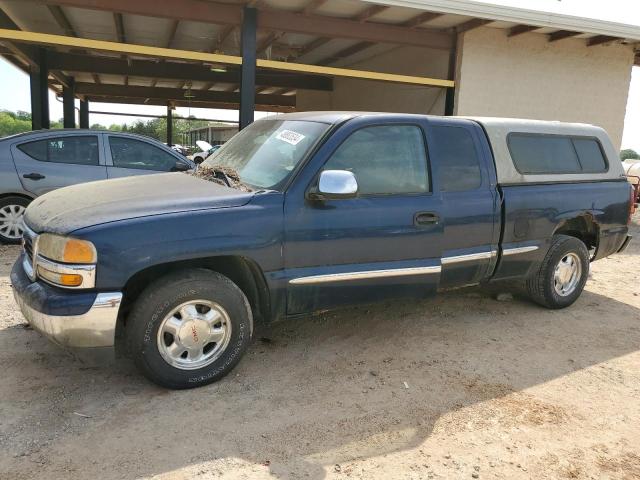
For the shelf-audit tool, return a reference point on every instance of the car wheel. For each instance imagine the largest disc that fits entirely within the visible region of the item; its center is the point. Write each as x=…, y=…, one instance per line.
x=11, y=218
x=189, y=328
x=562, y=274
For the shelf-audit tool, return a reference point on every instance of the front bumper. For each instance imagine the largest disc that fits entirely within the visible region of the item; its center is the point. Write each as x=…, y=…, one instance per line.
x=71, y=319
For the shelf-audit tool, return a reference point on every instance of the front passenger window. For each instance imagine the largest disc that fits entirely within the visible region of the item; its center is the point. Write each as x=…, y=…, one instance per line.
x=386, y=159
x=131, y=153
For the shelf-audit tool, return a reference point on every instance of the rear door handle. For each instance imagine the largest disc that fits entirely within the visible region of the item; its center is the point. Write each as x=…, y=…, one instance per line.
x=33, y=176
x=426, y=218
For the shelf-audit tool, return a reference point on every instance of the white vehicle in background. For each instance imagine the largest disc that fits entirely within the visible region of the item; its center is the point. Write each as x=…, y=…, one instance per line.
x=207, y=149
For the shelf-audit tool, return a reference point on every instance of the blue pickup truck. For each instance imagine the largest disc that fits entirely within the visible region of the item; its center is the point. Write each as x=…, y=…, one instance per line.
x=310, y=211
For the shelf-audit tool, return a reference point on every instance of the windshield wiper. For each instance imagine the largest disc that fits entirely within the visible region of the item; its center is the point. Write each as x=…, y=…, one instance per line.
x=222, y=175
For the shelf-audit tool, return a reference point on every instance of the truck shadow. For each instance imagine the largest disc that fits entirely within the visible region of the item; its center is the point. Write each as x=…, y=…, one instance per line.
x=329, y=389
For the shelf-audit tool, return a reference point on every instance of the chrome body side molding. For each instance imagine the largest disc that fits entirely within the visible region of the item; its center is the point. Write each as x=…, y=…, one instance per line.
x=469, y=257
x=518, y=250
x=365, y=275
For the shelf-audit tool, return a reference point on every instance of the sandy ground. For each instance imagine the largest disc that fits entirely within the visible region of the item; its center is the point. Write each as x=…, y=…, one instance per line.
x=461, y=386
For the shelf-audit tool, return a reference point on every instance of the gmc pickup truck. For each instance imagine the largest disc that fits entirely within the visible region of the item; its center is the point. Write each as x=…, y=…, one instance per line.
x=310, y=211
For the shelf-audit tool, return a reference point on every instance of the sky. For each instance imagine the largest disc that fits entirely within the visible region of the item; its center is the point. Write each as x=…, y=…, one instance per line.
x=15, y=94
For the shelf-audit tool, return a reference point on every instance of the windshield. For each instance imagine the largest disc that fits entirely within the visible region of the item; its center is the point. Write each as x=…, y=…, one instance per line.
x=265, y=153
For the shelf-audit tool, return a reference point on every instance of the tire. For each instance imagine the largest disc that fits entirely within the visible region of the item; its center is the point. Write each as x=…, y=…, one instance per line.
x=546, y=288
x=11, y=213
x=158, y=312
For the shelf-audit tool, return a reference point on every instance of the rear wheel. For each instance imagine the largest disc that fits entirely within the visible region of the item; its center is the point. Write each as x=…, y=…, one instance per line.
x=189, y=328
x=562, y=274
x=11, y=218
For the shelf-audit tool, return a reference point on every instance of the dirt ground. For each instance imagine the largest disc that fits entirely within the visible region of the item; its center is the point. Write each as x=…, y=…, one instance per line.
x=461, y=386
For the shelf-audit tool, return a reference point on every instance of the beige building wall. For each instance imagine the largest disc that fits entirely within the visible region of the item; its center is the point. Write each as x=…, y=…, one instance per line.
x=366, y=95
x=527, y=76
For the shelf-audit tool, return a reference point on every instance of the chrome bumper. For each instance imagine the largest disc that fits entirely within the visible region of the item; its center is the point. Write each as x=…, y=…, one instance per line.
x=96, y=328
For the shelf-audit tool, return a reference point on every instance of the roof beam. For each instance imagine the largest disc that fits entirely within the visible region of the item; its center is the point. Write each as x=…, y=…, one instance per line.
x=520, y=29
x=267, y=42
x=93, y=90
x=101, y=45
x=119, y=24
x=421, y=18
x=278, y=20
x=332, y=27
x=191, y=10
x=64, y=23
x=180, y=71
x=561, y=35
x=372, y=11
x=185, y=103
x=346, y=52
x=172, y=33
x=312, y=6
x=600, y=39
x=26, y=53
x=471, y=24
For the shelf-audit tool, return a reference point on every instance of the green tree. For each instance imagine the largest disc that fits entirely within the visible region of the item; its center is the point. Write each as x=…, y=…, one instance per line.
x=11, y=123
x=629, y=154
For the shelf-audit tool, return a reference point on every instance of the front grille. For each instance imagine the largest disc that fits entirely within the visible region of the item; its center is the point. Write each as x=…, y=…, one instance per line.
x=27, y=242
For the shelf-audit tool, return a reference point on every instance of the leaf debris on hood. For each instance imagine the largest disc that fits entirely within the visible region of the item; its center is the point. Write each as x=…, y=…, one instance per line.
x=225, y=176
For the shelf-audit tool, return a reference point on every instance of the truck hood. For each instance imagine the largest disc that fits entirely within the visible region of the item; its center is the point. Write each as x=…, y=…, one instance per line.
x=67, y=209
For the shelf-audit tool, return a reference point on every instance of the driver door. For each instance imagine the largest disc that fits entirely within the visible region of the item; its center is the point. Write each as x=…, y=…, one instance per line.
x=127, y=156
x=384, y=242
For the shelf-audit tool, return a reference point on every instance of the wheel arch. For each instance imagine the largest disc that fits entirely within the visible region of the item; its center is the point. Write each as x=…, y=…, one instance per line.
x=583, y=227
x=243, y=271
x=24, y=195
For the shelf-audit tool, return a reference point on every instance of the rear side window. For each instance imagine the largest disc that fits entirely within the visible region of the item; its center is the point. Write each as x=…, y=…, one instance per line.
x=458, y=163
x=590, y=155
x=75, y=150
x=386, y=159
x=538, y=154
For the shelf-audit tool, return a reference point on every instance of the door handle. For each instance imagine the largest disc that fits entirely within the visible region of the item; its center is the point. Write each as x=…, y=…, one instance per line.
x=33, y=176
x=426, y=218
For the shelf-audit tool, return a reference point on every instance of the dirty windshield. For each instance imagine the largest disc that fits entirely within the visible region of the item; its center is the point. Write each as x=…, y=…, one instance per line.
x=265, y=153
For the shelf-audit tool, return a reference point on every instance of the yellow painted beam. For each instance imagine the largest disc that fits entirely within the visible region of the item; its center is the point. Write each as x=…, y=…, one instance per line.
x=347, y=72
x=127, y=48
x=157, y=52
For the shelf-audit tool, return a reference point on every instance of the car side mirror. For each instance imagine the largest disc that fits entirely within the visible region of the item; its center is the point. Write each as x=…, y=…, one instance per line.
x=335, y=184
x=181, y=167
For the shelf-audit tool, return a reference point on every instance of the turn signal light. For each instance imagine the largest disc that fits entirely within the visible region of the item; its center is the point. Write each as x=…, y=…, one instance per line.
x=62, y=279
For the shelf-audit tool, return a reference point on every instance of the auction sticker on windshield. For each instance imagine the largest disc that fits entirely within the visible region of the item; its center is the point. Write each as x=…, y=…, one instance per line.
x=290, y=136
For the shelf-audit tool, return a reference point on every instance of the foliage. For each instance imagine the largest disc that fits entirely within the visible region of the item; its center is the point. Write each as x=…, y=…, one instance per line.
x=18, y=122
x=629, y=154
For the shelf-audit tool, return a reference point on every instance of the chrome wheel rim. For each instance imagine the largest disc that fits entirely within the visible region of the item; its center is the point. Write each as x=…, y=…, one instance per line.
x=11, y=221
x=194, y=334
x=566, y=275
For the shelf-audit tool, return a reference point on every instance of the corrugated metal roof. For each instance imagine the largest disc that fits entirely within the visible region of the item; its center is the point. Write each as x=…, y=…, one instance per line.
x=521, y=15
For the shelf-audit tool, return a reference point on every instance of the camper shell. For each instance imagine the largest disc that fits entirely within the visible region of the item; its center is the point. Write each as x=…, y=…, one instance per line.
x=499, y=131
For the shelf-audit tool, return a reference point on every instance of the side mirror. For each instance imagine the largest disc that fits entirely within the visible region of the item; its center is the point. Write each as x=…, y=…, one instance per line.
x=181, y=167
x=336, y=184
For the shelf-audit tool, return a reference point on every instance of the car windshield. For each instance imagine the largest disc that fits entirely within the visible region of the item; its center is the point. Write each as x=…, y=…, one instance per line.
x=266, y=152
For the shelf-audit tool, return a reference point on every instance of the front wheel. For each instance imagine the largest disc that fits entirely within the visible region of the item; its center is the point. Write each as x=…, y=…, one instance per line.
x=562, y=274
x=189, y=328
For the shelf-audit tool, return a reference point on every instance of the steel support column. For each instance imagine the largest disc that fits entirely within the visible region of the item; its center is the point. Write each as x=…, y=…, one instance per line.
x=248, y=70
x=169, y=126
x=84, y=113
x=449, y=101
x=68, y=105
x=38, y=79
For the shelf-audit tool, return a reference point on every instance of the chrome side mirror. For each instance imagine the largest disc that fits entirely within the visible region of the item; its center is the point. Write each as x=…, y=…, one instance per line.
x=336, y=184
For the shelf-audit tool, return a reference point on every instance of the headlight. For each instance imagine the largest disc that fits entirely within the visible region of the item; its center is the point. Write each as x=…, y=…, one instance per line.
x=66, y=262
x=66, y=250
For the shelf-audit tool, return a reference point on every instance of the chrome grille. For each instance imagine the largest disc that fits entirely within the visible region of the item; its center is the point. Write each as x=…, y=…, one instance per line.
x=29, y=246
